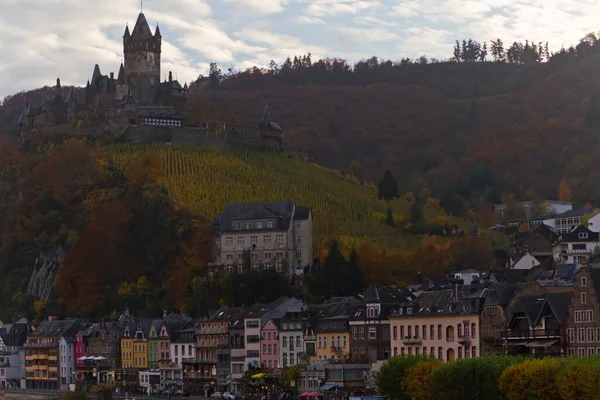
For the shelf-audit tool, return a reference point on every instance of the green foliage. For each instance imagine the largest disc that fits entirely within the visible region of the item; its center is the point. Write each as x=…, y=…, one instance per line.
x=579, y=378
x=532, y=380
x=470, y=379
x=416, y=381
x=337, y=276
x=390, y=378
x=416, y=213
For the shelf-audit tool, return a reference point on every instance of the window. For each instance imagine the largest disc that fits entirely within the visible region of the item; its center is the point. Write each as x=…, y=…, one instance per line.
x=253, y=239
x=580, y=335
x=259, y=225
x=269, y=349
x=264, y=349
x=395, y=333
x=424, y=331
x=299, y=253
x=402, y=332
x=584, y=316
x=284, y=342
x=275, y=349
x=267, y=239
x=432, y=333
x=583, y=298
x=590, y=335
x=472, y=331
x=344, y=341
x=416, y=331
x=440, y=353
x=268, y=256
x=278, y=238
x=474, y=351
x=229, y=240
x=269, y=224
x=298, y=224
x=583, y=235
x=372, y=333
x=299, y=239
x=240, y=240
x=439, y=333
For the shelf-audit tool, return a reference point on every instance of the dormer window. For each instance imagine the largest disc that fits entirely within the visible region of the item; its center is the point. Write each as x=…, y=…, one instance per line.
x=583, y=235
x=409, y=310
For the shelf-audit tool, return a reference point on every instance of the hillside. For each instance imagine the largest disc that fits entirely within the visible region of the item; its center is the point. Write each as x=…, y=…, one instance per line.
x=205, y=180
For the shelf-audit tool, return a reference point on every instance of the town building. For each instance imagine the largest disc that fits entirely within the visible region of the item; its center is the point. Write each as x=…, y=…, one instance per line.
x=265, y=235
x=528, y=209
x=441, y=324
x=293, y=339
x=333, y=337
x=575, y=246
x=269, y=344
x=370, y=329
x=493, y=317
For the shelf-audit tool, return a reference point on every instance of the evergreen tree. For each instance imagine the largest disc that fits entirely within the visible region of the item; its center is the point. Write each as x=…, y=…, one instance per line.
x=387, y=189
x=390, y=216
x=416, y=213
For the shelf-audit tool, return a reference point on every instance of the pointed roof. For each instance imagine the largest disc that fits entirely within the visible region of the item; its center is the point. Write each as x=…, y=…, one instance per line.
x=141, y=30
x=121, y=77
x=96, y=73
x=126, y=34
x=157, y=32
x=372, y=295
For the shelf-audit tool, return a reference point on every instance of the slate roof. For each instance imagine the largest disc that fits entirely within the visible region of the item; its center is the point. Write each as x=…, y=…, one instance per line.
x=141, y=30
x=439, y=303
x=227, y=314
x=281, y=210
x=394, y=295
x=507, y=275
x=302, y=213
x=121, y=77
x=579, y=212
x=16, y=334
x=372, y=294
x=543, y=229
x=534, y=307
x=67, y=329
x=565, y=271
x=573, y=236
x=501, y=294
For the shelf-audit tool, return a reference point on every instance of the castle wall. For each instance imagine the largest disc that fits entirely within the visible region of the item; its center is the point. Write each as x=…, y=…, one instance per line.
x=184, y=135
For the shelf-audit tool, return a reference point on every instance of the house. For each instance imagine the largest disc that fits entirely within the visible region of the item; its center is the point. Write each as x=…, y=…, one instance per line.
x=153, y=340
x=493, y=316
x=440, y=324
x=293, y=339
x=333, y=335
x=49, y=355
x=525, y=261
x=269, y=343
x=10, y=371
x=569, y=220
x=201, y=374
x=538, y=241
x=535, y=318
x=227, y=316
x=594, y=223
x=576, y=245
x=238, y=355
x=269, y=234
x=583, y=330
x=528, y=209
x=467, y=275
x=370, y=329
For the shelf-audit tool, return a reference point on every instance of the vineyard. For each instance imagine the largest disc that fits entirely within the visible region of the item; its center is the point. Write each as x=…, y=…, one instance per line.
x=205, y=180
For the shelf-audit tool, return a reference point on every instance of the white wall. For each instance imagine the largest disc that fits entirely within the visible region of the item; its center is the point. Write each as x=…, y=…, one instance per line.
x=594, y=223
x=526, y=262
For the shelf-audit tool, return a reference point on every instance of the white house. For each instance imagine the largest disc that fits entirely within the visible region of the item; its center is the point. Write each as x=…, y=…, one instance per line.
x=274, y=235
x=575, y=246
x=594, y=223
x=467, y=275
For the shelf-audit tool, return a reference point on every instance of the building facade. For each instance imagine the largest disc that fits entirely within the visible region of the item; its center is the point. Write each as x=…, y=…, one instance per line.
x=439, y=324
x=269, y=344
x=276, y=235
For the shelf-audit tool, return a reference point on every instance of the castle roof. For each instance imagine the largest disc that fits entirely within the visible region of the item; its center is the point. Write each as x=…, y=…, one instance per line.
x=157, y=32
x=121, y=77
x=127, y=34
x=141, y=30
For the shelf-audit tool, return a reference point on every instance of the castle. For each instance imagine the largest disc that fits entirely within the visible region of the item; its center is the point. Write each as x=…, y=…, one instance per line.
x=138, y=105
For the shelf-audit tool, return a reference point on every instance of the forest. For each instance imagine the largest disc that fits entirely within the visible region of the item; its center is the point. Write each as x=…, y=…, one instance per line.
x=135, y=223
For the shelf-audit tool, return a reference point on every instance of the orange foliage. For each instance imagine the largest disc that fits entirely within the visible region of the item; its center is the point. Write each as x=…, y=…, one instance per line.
x=98, y=261
x=145, y=169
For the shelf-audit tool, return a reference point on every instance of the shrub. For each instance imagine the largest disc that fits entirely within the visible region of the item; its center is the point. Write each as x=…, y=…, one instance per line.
x=416, y=381
x=389, y=379
x=579, y=379
x=472, y=378
x=532, y=380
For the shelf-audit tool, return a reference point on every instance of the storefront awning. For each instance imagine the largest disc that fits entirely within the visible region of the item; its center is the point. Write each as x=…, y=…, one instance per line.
x=541, y=343
x=257, y=376
x=520, y=343
x=329, y=386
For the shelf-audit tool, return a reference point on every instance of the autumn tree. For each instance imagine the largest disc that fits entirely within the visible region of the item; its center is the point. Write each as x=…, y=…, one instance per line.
x=564, y=191
x=144, y=169
x=97, y=262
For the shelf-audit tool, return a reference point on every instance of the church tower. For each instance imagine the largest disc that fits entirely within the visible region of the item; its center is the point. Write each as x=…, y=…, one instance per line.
x=142, y=52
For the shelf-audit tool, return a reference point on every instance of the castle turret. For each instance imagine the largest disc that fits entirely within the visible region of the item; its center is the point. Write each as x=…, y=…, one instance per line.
x=142, y=51
x=58, y=83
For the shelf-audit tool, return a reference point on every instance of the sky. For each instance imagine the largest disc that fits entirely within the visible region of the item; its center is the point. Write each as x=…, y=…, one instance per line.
x=41, y=40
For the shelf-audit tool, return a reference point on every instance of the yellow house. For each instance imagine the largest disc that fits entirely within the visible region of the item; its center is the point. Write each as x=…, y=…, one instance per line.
x=140, y=348
x=333, y=338
x=127, y=347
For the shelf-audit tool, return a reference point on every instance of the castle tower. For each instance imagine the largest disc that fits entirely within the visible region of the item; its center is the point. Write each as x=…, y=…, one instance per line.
x=142, y=52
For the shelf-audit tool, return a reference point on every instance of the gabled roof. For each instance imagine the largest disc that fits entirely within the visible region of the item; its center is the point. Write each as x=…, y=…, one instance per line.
x=121, y=77
x=66, y=329
x=574, y=236
x=302, y=213
x=579, y=212
x=441, y=302
x=281, y=210
x=228, y=314
x=534, y=307
x=372, y=294
x=543, y=229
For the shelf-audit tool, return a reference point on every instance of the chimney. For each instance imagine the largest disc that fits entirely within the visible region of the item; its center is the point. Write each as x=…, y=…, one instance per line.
x=170, y=76
x=112, y=76
x=455, y=292
x=58, y=83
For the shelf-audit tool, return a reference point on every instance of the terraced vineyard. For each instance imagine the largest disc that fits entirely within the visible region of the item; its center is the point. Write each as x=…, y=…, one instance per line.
x=205, y=180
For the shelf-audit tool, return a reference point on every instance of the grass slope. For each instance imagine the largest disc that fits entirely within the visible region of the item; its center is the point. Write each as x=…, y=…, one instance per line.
x=205, y=180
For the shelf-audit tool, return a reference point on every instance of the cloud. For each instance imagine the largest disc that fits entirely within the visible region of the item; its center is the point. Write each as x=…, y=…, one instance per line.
x=43, y=39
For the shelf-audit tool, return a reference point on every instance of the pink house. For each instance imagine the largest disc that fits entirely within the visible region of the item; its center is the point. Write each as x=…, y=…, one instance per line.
x=79, y=350
x=269, y=345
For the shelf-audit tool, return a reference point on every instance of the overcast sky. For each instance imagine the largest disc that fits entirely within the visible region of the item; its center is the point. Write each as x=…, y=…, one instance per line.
x=43, y=39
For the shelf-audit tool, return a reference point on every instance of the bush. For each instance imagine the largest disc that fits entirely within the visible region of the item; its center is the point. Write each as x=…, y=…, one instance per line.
x=532, y=380
x=579, y=379
x=389, y=379
x=416, y=381
x=471, y=378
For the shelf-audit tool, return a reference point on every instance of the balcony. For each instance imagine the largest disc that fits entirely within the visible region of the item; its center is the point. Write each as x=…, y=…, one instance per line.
x=336, y=349
x=413, y=340
x=579, y=251
x=195, y=375
x=531, y=334
x=40, y=345
x=201, y=360
x=464, y=339
x=450, y=339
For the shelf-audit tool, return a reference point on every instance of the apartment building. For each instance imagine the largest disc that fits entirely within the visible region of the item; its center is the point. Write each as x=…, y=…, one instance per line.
x=441, y=324
x=576, y=246
x=269, y=344
x=271, y=235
